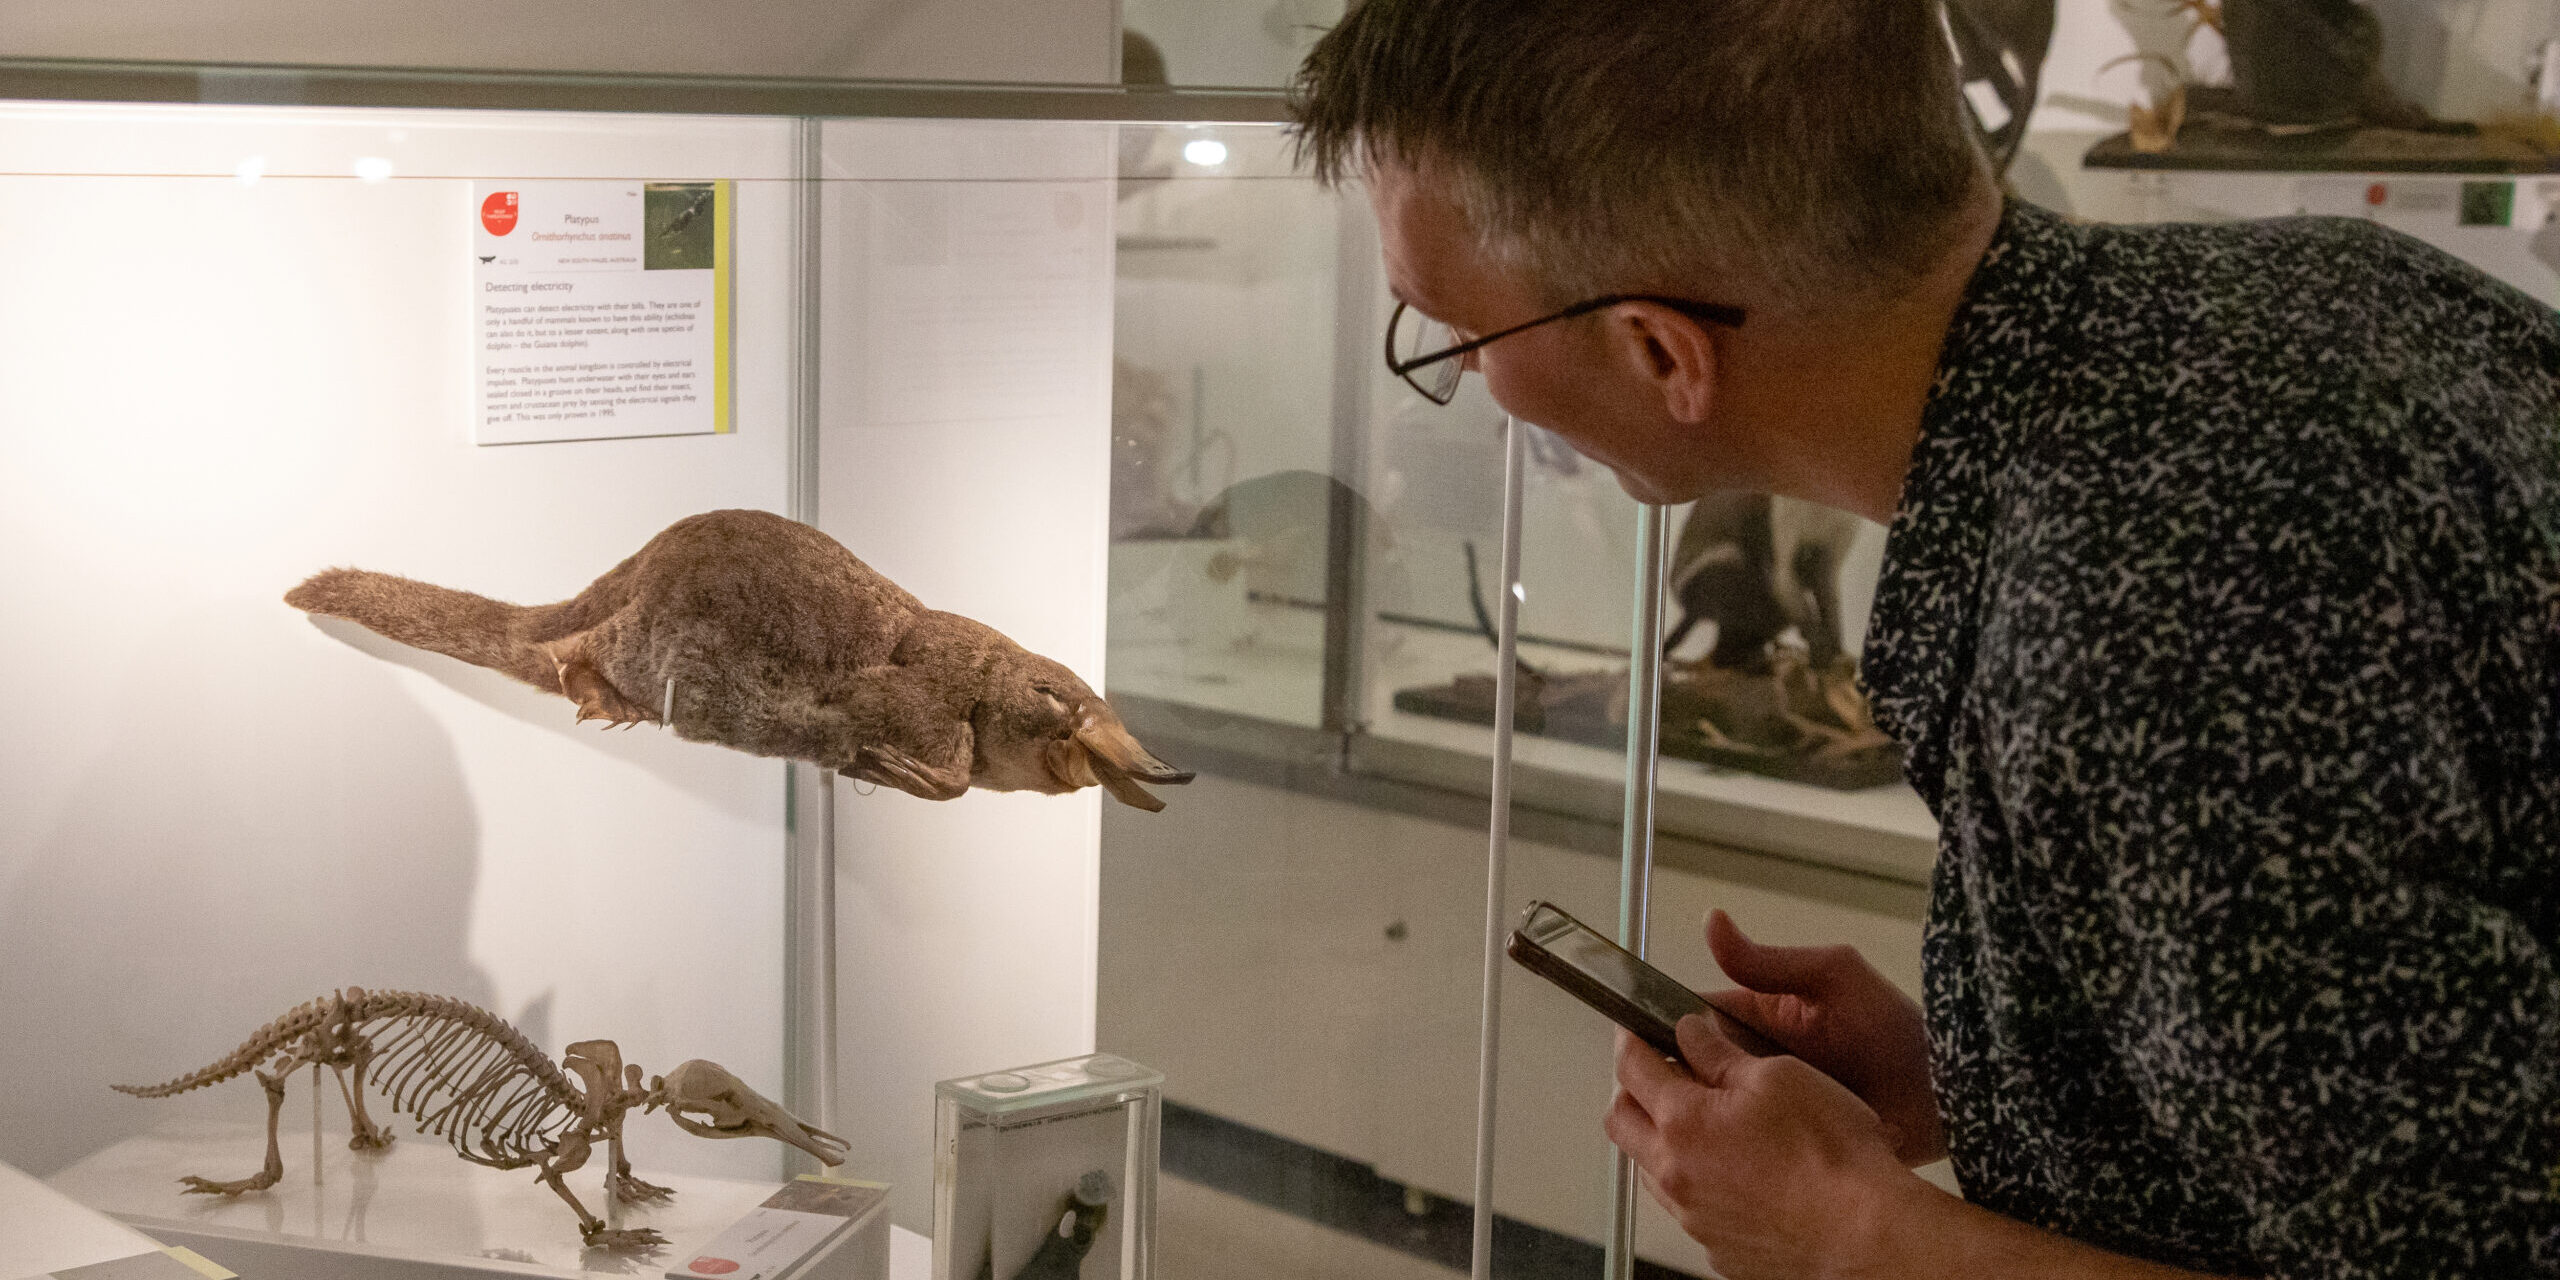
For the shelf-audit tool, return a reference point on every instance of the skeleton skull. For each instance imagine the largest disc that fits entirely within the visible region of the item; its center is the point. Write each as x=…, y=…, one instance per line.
x=727, y=1108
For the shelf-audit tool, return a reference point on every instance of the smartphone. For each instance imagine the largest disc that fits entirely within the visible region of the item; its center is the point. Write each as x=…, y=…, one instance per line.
x=1609, y=978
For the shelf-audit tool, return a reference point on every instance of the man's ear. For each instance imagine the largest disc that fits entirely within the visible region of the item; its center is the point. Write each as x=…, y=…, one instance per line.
x=1674, y=352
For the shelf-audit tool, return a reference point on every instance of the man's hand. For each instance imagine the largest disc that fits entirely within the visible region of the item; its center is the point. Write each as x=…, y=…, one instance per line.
x=1773, y=1166
x=1828, y=1006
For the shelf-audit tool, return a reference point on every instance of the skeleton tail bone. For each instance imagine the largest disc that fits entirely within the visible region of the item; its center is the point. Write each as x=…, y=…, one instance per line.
x=257, y=1048
x=509, y=638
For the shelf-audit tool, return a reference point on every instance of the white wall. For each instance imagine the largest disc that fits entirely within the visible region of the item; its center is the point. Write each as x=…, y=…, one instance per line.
x=212, y=809
x=966, y=454
x=1231, y=42
x=1039, y=40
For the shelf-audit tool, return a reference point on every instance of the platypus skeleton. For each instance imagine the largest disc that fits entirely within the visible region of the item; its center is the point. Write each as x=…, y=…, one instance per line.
x=755, y=632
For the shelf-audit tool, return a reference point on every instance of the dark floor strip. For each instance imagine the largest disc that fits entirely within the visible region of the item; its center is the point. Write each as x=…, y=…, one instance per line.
x=1323, y=1188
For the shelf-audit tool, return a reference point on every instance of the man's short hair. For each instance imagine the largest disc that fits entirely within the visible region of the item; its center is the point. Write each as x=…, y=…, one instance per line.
x=1809, y=151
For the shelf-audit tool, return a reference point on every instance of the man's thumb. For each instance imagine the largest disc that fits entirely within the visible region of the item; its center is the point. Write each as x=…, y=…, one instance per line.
x=1705, y=1049
x=1795, y=971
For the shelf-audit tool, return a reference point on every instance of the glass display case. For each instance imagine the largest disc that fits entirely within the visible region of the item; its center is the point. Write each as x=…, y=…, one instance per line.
x=1302, y=543
x=1099, y=369
x=1305, y=583
x=265, y=322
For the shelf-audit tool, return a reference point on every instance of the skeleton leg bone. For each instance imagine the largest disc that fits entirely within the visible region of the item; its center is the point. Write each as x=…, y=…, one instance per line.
x=274, y=1170
x=569, y=1158
x=628, y=1189
x=368, y=1136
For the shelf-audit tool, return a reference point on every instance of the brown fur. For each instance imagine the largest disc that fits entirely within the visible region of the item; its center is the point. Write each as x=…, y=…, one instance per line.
x=780, y=643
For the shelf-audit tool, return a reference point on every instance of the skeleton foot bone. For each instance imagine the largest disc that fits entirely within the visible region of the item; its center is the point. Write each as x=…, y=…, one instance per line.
x=631, y=1190
x=624, y=1239
x=208, y=1187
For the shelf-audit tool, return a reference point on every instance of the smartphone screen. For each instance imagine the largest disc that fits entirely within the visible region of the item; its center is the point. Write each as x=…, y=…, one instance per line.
x=1604, y=975
x=1611, y=965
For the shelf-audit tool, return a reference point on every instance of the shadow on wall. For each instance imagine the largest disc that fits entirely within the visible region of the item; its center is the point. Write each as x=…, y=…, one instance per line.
x=661, y=755
x=262, y=830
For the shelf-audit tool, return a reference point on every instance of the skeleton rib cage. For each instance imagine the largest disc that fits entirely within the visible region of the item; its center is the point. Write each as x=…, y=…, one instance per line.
x=462, y=1073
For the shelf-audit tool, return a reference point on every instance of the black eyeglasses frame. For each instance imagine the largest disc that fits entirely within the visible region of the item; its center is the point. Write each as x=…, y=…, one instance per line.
x=1715, y=313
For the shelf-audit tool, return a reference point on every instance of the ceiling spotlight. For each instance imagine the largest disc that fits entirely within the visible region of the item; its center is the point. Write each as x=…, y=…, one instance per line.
x=1208, y=153
x=372, y=168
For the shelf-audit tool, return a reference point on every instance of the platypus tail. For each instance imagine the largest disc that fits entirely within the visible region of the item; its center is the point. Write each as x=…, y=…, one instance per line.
x=483, y=632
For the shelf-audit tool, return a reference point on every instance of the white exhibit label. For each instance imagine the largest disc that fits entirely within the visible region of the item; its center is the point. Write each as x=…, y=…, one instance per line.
x=805, y=1215
x=601, y=309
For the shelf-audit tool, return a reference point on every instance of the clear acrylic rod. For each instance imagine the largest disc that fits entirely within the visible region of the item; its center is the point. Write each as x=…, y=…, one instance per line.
x=1635, y=848
x=1497, y=905
x=808, y=795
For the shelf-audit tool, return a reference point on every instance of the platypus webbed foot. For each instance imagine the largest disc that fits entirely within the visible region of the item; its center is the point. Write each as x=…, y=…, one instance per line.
x=596, y=697
x=891, y=767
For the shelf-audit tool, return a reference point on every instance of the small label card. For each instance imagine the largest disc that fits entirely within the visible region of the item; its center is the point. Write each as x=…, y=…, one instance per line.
x=791, y=1224
x=601, y=309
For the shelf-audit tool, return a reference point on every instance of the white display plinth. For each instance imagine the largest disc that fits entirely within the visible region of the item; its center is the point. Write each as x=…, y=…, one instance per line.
x=45, y=1232
x=414, y=1212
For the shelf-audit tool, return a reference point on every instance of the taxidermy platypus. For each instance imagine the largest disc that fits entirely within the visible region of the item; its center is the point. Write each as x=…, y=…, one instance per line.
x=760, y=633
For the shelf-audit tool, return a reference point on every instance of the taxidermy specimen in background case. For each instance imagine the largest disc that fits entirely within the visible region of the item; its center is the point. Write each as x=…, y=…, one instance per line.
x=470, y=1078
x=752, y=631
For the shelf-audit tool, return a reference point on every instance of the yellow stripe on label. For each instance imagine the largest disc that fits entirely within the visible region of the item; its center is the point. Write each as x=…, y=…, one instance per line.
x=723, y=226
x=200, y=1264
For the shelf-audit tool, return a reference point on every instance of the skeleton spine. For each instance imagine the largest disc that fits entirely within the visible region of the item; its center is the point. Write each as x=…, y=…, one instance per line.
x=448, y=1029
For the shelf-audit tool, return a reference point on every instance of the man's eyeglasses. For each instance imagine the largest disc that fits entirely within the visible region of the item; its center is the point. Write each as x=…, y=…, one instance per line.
x=1429, y=357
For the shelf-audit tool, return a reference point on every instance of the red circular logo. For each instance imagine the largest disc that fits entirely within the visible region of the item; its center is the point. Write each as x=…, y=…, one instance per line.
x=498, y=214
x=2377, y=194
x=699, y=1266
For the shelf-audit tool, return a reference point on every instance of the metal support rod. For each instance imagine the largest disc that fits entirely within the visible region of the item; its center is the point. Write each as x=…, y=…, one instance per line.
x=1635, y=856
x=1497, y=903
x=808, y=191
x=808, y=793
x=1355, y=302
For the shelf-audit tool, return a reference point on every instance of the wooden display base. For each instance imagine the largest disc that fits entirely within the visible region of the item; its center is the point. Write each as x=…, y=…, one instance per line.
x=1590, y=708
x=2205, y=145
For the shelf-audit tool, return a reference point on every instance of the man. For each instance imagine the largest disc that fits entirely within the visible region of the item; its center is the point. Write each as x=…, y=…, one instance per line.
x=2220, y=621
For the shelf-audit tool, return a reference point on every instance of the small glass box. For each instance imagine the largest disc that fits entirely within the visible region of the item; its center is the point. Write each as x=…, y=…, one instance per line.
x=1047, y=1172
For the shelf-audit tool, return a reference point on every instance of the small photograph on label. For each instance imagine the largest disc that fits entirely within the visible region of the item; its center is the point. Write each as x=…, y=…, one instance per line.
x=838, y=1199
x=678, y=220
x=2488, y=204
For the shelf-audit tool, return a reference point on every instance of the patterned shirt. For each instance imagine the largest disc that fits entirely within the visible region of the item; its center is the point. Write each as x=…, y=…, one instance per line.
x=2221, y=626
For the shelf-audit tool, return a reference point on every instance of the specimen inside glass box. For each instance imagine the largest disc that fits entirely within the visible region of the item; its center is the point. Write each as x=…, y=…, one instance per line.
x=1777, y=694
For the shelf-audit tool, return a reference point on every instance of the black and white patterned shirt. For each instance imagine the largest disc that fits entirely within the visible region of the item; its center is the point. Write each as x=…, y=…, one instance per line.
x=2221, y=625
